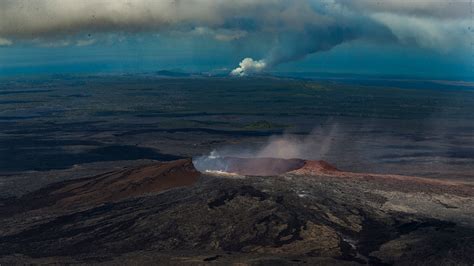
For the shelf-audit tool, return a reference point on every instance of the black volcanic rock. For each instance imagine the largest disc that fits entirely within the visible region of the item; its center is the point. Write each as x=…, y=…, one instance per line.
x=169, y=214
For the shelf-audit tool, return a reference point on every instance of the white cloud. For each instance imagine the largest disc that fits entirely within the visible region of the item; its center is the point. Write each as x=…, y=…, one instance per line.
x=224, y=35
x=5, y=42
x=52, y=43
x=444, y=9
x=427, y=32
x=230, y=35
x=86, y=42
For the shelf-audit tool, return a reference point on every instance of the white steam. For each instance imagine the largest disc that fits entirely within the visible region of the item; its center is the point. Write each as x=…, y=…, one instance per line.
x=314, y=146
x=249, y=66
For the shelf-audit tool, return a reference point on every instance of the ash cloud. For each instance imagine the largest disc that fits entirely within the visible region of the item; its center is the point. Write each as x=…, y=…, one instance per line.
x=291, y=29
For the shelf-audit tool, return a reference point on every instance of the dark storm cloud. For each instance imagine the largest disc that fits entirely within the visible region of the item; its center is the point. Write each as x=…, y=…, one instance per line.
x=294, y=28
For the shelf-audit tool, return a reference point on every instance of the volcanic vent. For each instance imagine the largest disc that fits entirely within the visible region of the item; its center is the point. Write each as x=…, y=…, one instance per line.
x=258, y=166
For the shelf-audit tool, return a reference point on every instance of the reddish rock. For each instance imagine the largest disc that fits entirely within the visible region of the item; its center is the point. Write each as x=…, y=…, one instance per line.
x=316, y=167
x=261, y=166
x=126, y=183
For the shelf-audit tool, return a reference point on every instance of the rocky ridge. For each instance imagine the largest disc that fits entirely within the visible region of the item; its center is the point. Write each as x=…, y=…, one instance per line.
x=171, y=213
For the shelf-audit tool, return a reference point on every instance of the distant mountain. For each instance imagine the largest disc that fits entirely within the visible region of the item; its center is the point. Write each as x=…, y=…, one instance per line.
x=172, y=73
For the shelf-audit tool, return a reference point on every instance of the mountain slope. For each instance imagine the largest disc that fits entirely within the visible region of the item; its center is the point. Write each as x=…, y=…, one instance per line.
x=169, y=213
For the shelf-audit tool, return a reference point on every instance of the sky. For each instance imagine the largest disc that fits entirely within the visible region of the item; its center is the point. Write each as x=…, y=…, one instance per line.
x=419, y=38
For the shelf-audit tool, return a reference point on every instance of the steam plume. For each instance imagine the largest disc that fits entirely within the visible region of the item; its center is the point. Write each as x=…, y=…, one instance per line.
x=249, y=66
x=313, y=146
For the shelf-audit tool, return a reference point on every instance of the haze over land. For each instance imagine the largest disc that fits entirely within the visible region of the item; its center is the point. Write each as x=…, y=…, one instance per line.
x=257, y=132
x=419, y=128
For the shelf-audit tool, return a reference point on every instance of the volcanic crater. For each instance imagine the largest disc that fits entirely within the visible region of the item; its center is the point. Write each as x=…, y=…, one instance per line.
x=287, y=211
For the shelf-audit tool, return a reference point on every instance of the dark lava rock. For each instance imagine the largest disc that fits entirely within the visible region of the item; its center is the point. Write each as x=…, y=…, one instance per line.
x=168, y=213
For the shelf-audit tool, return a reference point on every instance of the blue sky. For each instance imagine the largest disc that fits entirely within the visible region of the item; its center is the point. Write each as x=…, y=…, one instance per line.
x=431, y=39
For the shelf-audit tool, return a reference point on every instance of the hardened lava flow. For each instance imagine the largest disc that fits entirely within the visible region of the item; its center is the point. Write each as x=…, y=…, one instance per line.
x=281, y=211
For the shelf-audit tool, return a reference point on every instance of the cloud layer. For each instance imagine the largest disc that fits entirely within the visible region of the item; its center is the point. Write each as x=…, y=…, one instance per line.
x=292, y=28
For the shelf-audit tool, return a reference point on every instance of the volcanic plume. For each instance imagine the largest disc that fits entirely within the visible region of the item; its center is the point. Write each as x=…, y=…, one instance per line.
x=278, y=155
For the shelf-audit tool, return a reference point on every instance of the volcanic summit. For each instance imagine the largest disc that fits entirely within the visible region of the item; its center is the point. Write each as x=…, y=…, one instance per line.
x=290, y=211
